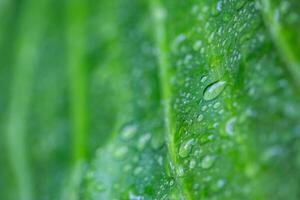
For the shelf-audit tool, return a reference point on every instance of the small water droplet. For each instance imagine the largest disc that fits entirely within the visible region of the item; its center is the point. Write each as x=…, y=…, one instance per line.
x=127, y=168
x=143, y=140
x=220, y=184
x=185, y=148
x=215, y=125
x=137, y=170
x=203, y=79
x=178, y=41
x=129, y=131
x=207, y=162
x=121, y=152
x=229, y=128
x=171, y=181
x=133, y=196
x=213, y=90
x=217, y=9
x=204, y=108
x=216, y=105
x=100, y=187
x=197, y=45
x=180, y=171
x=160, y=160
x=200, y=118
x=192, y=164
x=206, y=138
x=240, y=4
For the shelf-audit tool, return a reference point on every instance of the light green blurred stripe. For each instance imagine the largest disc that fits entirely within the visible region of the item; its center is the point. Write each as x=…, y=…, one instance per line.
x=32, y=23
x=76, y=46
x=76, y=21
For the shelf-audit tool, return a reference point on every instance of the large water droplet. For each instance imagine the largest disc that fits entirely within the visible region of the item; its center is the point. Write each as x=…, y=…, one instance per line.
x=214, y=90
x=185, y=148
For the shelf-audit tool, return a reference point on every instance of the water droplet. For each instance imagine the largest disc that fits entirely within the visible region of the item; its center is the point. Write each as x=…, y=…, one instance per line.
x=221, y=183
x=217, y=9
x=180, y=171
x=171, y=181
x=132, y=196
x=127, y=168
x=137, y=170
x=204, y=108
x=129, y=131
x=160, y=160
x=197, y=45
x=229, y=128
x=215, y=125
x=207, y=161
x=219, y=6
x=99, y=187
x=200, y=118
x=216, y=105
x=203, y=79
x=157, y=140
x=206, y=138
x=185, y=148
x=240, y=4
x=214, y=90
x=192, y=164
x=221, y=111
x=143, y=140
x=272, y=152
x=178, y=41
x=121, y=152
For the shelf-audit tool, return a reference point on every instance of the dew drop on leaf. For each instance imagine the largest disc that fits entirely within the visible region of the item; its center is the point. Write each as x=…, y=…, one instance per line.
x=133, y=196
x=214, y=90
x=129, y=131
x=171, y=181
x=203, y=79
x=185, y=148
x=192, y=164
x=207, y=161
x=137, y=170
x=121, y=152
x=179, y=171
x=221, y=183
x=200, y=118
x=216, y=105
x=143, y=140
x=197, y=45
x=204, y=108
x=229, y=128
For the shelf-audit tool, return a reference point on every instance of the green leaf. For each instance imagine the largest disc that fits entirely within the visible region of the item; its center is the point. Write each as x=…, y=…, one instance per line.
x=228, y=104
x=157, y=99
